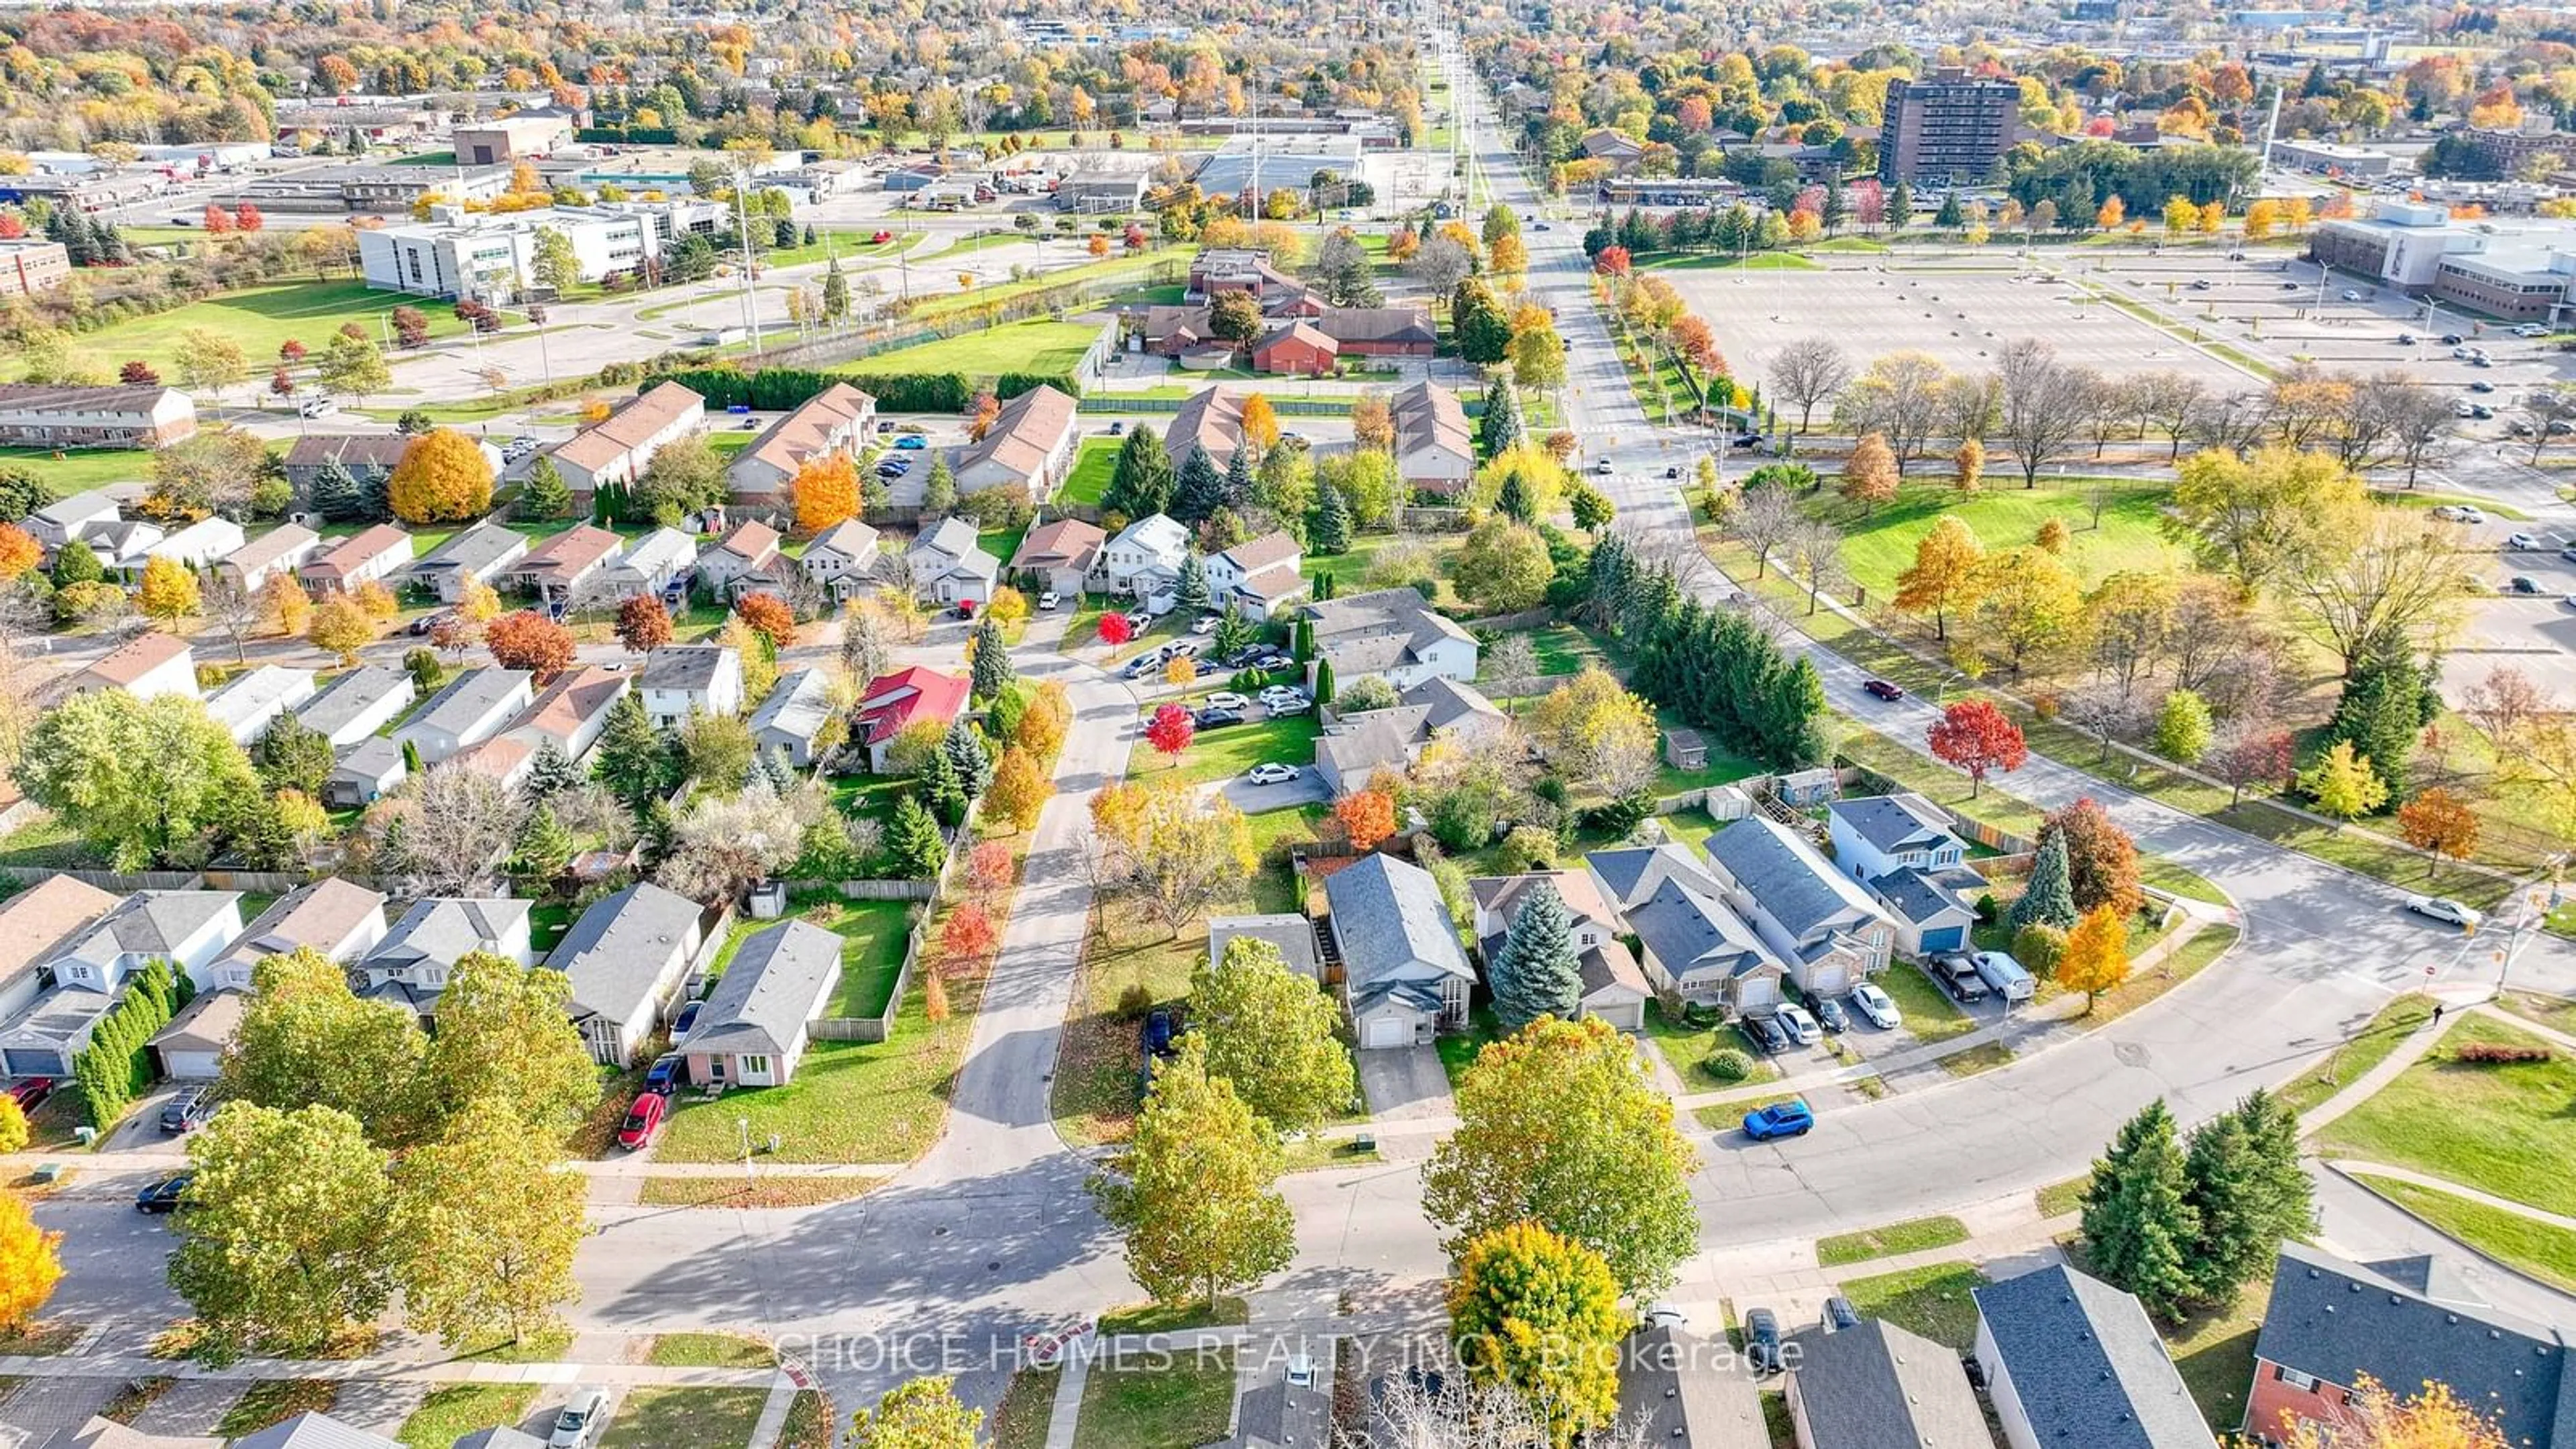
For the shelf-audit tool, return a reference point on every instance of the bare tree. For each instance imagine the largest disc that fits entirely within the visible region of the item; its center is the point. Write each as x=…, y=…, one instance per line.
x=2208, y=614
x=1807, y=372
x=1510, y=665
x=1969, y=405
x=1816, y=559
x=2234, y=422
x=2548, y=409
x=457, y=824
x=1899, y=396
x=2307, y=404
x=1440, y=266
x=2044, y=405
x=1410, y=1414
x=724, y=846
x=2501, y=704
x=2414, y=416
x=2102, y=711
x=237, y=611
x=2108, y=407
x=2398, y=576
x=2169, y=400
x=1765, y=521
x=2366, y=423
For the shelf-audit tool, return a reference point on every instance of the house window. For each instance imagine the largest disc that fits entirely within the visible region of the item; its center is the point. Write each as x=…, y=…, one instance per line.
x=2304, y=1383
x=755, y=1066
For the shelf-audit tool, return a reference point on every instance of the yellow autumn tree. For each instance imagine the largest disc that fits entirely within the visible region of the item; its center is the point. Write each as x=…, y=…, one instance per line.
x=2096, y=955
x=341, y=627
x=288, y=606
x=30, y=1264
x=1260, y=423
x=442, y=477
x=826, y=492
x=1945, y=575
x=168, y=591
x=2374, y=1418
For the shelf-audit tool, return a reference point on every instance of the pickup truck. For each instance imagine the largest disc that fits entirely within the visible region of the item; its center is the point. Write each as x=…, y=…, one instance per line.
x=1957, y=975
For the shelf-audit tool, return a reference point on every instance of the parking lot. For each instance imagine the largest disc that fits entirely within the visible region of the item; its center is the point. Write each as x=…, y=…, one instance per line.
x=2535, y=633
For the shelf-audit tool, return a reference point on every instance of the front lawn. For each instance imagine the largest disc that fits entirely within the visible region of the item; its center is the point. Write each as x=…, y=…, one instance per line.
x=2364, y=1049
x=259, y=319
x=2213, y=1350
x=1157, y=1402
x=2543, y=1250
x=274, y=1401
x=1687, y=1048
x=1931, y=1300
x=77, y=470
x=1887, y=1242
x=1931, y=1016
x=2005, y=515
x=452, y=1412
x=659, y=1418
x=1034, y=347
x=1222, y=754
x=848, y=1102
x=1088, y=483
x=2503, y=1128
x=711, y=1350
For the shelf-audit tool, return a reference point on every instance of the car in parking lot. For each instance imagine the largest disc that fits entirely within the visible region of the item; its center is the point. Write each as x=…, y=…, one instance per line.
x=912, y=442
x=193, y=1108
x=2523, y=541
x=579, y=1424
x=1877, y=1006
x=2452, y=339
x=1764, y=1034
x=2443, y=908
x=1839, y=1314
x=1271, y=774
x=2522, y=584
x=1957, y=975
x=1228, y=699
x=1801, y=1027
x=1047, y=602
x=164, y=1195
x=1762, y=1341
x=2463, y=409
x=1780, y=1119
x=2481, y=385
x=2531, y=329
x=643, y=1121
x=1217, y=719
x=29, y=1092
x=2350, y=295
x=1883, y=689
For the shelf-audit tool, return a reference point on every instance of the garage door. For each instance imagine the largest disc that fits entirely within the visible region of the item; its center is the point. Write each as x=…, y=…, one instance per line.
x=1947, y=938
x=193, y=1066
x=1388, y=1031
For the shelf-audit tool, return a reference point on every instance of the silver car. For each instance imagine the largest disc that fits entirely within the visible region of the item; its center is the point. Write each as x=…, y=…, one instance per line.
x=582, y=1420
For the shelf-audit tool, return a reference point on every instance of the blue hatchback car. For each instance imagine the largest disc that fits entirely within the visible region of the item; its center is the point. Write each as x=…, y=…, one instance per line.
x=912, y=442
x=664, y=1076
x=1780, y=1119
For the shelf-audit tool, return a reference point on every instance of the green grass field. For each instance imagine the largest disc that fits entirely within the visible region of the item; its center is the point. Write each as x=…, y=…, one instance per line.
x=457, y=1410
x=2543, y=1250
x=2005, y=515
x=80, y=469
x=2502, y=1128
x=1156, y=1403
x=655, y=1418
x=1932, y=1301
x=1887, y=1242
x=259, y=319
x=1045, y=347
x=2365, y=1049
x=1088, y=483
x=1221, y=754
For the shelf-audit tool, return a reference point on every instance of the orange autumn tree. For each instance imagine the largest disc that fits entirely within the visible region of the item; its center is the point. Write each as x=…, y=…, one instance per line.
x=1366, y=816
x=768, y=616
x=19, y=551
x=827, y=493
x=443, y=477
x=2375, y=1418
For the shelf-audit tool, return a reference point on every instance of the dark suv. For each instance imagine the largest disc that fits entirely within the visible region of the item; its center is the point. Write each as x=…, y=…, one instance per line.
x=1765, y=1034
x=1958, y=976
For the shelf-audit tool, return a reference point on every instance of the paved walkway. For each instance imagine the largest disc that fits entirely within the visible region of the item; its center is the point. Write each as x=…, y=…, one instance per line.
x=2359, y=1169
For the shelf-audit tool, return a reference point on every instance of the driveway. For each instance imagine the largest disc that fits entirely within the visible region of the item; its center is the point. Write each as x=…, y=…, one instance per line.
x=1251, y=799
x=1402, y=1085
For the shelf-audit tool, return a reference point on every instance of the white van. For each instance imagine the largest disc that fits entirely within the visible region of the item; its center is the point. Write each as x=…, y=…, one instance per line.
x=2005, y=975
x=318, y=407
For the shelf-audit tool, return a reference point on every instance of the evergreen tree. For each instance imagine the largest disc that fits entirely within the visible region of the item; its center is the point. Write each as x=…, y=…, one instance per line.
x=631, y=758
x=544, y=850
x=2139, y=1226
x=2386, y=702
x=1323, y=682
x=544, y=496
x=1142, y=481
x=76, y=563
x=836, y=293
x=375, y=497
x=2249, y=1192
x=1238, y=479
x=965, y=750
x=1331, y=531
x=944, y=788
x=913, y=840
x=1513, y=501
x=1900, y=207
x=336, y=496
x=1535, y=974
x=1477, y=320
x=1952, y=215
x=2049, y=900
x=1498, y=428
x=1194, y=585
x=939, y=491
x=1201, y=490
x=550, y=773
x=993, y=670
x=1234, y=634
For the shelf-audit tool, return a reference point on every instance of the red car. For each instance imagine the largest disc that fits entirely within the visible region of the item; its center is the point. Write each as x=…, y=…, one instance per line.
x=642, y=1121
x=1884, y=690
x=31, y=1091
x=881, y=238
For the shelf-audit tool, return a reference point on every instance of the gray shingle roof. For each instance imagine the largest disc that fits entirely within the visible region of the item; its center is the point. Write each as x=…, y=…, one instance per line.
x=1687, y=1390
x=443, y=930
x=2337, y=1319
x=1392, y=927
x=313, y=1431
x=1919, y=895
x=689, y=667
x=797, y=706
x=1448, y=704
x=2087, y=1365
x=1291, y=933
x=152, y=923
x=1879, y=1387
x=1785, y=875
x=1894, y=823
x=774, y=986
x=1280, y=1415
x=1685, y=929
x=469, y=698
x=1625, y=869
x=480, y=548
x=615, y=953
x=1380, y=737
x=351, y=695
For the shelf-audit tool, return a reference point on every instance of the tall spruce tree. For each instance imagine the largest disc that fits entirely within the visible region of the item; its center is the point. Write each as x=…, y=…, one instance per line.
x=1513, y=501
x=993, y=670
x=2139, y=1226
x=336, y=495
x=1331, y=531
x=2049, y=899
x=550, y=773
x=1535, y=974
x=1238, y=480
x=913, y=840
x=1499, y=427
x=963, y=748
x=2249, y=1192
x=1201, y=491
x=1194, y=596
x=1142, y=481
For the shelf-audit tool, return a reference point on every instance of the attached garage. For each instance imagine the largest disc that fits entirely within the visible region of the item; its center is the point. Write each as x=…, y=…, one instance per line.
x=1614, y=989
x=33, y=1062
x=191, y=1047
x=1944, y=938
x=1387, y=1030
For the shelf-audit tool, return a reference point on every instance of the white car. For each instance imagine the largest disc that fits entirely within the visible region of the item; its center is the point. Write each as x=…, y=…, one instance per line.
x=2443, y=908
x=1271, y=774
x=1602, y=468
x=1279, y=707
x=2350, y=295
x=1801, y=1027
x=581, y=1421
x=1206, y=623
x=1047, y=601
x=2531, y=329
x=1228, y=699
x=1878, y=1006
x=2523, y=541
x=2469, y=513
x=2464, y=410
x=1276, y=693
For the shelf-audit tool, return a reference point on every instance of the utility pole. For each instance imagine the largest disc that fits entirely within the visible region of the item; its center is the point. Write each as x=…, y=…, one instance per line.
x=742, y=234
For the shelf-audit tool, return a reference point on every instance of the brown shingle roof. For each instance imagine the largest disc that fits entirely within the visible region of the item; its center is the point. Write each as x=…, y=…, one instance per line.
x=751, y=541
x=139, y=657
x=349, y=555
x=569, y=553
x=572, y=699
x=40, y=918
x=271, y=546
x=1274, y=547
x=1029, y=425
x=788, y=442
x=627, y=428
x=1065, y=543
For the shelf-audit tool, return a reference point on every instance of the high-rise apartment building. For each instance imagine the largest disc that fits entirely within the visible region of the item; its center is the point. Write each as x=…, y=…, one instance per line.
x=1947, y=126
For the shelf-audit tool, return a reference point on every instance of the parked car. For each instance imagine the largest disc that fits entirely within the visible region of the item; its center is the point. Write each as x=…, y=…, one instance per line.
x=2452, y=339
x=1149, y=662
x=1673, y=470
x=1217, y=719
x=1764, y=1033
x=1831, y=1016
x=1274, y=661
x=1801, y=1027
x=1883, y=689
x=1295, y=704
x=2405, y=339
x=2350, y=295
x=1780, y=1119
x=2522, y=584
x=1958, y=976
x=580, y=1422
x=1602, y=468
x=1839, y=1314
x=1047, y=602
x=1762, y=1341
x=163, y=1196
x=2006, y=975
x=2531, y=329
x=2470, y=512
x=28, y=1092
x=912, y=442
x=193, y=1108
x=2523, y=541
x=1138, y=619
x=685, y=1022
x=2482, y=385
x=1160, y=1031
x=1228, y=699
x=643, y=1121
x=2443, y=908
x=1877, y=1005
x=2200, y=284
x=664, y=1075
x=1206, y=623
x=1271, y=774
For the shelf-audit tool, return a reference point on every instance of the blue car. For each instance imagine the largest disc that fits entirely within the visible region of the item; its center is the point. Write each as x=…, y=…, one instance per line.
x=1780, y=1119
x=912, y=442
x=664, y=1075
x=1160, y=1029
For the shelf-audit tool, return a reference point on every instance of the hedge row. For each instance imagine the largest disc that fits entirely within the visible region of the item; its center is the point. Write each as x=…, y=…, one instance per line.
x=640, y=135
x=116, y=1066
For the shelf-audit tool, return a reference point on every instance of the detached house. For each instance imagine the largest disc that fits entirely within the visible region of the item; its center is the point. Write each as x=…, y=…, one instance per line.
x=893, y=703
x=1261, y=575
x=1059, y=556
x=834, y=421
x=625, y=957
x=1405, y=977
x=37, y=923
x=1613, y=988
x=843, y=559
x=657, y=563
x=481, y=554
x=613, y=452
x=752, y=1030
x=378, y=553
x=786, y=724
x=1210, y=421
x=1357, y=746
x=1824, y=929
x=185, y=928
x=358, y=703
x=744, y=561
x=1877, y=1386
x=145, y=666
x=1031, y=443
x=572, y=712
x=82, y=516
x=2070, y=1359
x=247, y=706
x=331, y=915
x=685, y=679
x=567, y=561
x=1899, y=847
x=949, y=565
x=474, y=707
x=281, y=550
x=1693, y=948
x=1686, y=1391
x=410, y=966
x=1392, y=633
x=1143, y=560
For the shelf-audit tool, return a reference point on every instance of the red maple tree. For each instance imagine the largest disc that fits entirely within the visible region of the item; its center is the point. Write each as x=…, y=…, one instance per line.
x=768, y=614
x=1976, y=737
x=1366, y=816
x=1171, y=731
x=968, y=933
x=1115, y=630
x=531, y=641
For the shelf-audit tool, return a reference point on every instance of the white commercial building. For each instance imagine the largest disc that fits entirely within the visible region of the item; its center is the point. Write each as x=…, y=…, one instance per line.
x=493, y=258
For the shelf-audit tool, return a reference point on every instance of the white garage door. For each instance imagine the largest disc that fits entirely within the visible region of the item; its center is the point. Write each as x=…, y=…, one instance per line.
x=1387, y=1031
x=193, y=1066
